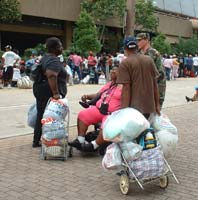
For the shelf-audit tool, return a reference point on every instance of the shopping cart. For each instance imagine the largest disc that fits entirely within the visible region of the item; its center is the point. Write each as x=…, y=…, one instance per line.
x=57, y=148
x=127, y=176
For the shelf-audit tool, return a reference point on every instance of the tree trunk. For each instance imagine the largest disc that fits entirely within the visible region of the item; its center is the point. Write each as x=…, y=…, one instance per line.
x=130, y=18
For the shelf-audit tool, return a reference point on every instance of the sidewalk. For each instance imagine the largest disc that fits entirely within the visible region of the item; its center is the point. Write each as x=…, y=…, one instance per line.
x=14, y=103
x=24, y=176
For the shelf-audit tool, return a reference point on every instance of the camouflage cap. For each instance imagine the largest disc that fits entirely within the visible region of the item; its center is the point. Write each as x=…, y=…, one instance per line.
x=141, y=36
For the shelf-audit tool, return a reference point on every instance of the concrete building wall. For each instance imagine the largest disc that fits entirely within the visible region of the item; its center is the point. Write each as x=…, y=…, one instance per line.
x=173, y=27
x=55, y=9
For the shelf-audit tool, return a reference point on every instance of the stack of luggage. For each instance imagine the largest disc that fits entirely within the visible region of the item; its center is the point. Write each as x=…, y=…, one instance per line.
x=55, y=135
x=143, y=143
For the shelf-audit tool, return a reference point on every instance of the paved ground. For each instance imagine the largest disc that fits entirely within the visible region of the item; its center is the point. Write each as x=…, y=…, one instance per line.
x=14, y=103
x=24, y=176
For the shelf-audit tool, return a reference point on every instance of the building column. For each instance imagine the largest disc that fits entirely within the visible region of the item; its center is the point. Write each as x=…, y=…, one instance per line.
x=68, y=33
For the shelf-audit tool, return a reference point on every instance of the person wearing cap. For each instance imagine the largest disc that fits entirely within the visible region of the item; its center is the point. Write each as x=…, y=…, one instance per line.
x=9, y=59
x=138, y=76
x=195, y=96
x=146, y=49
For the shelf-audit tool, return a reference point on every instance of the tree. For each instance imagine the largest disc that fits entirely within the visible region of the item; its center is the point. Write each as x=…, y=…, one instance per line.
x=101, y=10
x=130, y=17
x=9, y=11
x=144, y=16
x=159, y=43
x=187, y=45
x=85, y=34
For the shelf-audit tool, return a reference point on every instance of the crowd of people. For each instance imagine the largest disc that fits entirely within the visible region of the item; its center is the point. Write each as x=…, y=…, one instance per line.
x=180, y=66
x=96, y=67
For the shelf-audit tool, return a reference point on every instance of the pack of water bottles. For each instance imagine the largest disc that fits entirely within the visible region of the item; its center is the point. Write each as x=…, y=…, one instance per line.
x=55, y=129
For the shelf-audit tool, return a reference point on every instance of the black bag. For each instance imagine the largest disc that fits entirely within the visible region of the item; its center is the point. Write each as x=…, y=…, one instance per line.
x=104, y=108
x=36, y=74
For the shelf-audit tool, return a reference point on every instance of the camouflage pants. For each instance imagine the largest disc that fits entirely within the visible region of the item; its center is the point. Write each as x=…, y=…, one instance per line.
x=162, y=91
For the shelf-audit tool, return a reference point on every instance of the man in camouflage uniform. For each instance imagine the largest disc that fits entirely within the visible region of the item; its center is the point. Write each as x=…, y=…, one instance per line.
x=146, y=49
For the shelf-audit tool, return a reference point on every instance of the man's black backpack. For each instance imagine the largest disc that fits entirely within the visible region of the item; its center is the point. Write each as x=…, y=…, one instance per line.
x=36, y=74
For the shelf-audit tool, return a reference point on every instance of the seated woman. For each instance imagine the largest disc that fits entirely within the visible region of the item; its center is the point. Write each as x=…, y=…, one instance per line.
x=109, y=101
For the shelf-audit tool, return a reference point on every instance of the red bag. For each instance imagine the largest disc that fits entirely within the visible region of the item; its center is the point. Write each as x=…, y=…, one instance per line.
x=192, y=74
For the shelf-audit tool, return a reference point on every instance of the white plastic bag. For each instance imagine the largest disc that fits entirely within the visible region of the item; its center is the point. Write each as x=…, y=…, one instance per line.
x=24, y=83
x=32, y=115
x=130, y=150
x=112, y=157
x=102, y=79
x=86, y=79
x=162, y=122
x=168, y=142
x=126, y=123
x=56, y=109
x=16, y=74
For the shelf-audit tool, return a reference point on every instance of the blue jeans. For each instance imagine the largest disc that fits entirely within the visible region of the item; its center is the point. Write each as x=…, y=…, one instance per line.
x=77, y=69
x=168, y=70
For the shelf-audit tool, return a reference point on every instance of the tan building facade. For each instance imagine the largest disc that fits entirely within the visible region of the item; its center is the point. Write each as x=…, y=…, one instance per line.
x=44, y=18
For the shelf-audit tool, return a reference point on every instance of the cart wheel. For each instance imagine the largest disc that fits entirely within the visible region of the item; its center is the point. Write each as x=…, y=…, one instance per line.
x=124, y=184
x=163, y=182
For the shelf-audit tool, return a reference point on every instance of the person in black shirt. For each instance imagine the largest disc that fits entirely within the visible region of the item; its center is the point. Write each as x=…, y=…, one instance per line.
x=53, y=83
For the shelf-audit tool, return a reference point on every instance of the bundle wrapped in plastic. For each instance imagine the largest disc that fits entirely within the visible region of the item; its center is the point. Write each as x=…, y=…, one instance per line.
x=57, y=109
x=32, y=115
x=162, y=122
x=24, y=83
x=53, y=129
x=130, y=150
x=112, y=158
x=150, y=164
x=54, y=142
x=54, y=150
x=124, y=125
x=168, y=141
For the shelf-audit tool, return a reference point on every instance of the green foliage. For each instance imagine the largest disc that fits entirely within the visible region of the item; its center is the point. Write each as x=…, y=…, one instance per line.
x=85, y=34
x=1, y=53
x=159, y=43
x=9, y=11
x=101, y=10
x=37, y=49
x=144, y=16
x=187, y=45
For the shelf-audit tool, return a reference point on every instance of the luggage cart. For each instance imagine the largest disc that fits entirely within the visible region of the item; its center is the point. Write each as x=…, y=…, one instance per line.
x=127, y=176
x=59, y=148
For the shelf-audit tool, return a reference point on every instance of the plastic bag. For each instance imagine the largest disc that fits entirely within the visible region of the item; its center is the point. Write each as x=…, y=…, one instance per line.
x=102, y=80
x=16, y=74
x=130, y=150
x=32, y=115
x=150, y=164
x=24, y=83
x=53, y=130
x=162, y=122
x=56, y=109
x=86, y=79
x=112, y=158
x=126, y=123
x=168, y=142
